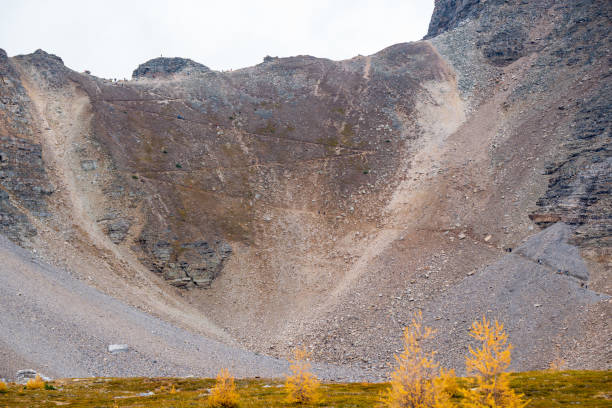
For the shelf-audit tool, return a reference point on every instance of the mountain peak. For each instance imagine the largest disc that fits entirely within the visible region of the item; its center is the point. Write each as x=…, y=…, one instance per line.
x=163, y=67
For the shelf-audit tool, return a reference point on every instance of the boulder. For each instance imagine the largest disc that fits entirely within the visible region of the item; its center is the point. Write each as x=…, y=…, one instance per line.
x=23, y=376
x=116, y=348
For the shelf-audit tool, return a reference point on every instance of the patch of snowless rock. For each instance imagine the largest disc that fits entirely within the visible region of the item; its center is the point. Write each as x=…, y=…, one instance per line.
x=68, y=329
x=23, y=376
x=538, y=291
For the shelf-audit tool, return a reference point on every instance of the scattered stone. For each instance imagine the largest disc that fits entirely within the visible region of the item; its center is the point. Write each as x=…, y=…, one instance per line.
x=116, y=348
x=89, y=165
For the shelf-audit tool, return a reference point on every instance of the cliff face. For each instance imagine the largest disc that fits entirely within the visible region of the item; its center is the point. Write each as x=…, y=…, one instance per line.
x=321, y=202
x=448, y=14
x=24, y=187
x=568, y=75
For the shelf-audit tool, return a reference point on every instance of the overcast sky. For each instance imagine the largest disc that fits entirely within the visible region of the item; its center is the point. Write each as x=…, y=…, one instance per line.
x=110, y=38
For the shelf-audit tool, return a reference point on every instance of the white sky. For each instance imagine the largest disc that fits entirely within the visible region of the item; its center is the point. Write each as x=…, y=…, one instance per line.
x=110, y=38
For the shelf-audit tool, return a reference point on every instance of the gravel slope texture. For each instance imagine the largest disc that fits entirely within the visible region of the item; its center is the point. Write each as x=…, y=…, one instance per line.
x=65, y=327
x=317, y=202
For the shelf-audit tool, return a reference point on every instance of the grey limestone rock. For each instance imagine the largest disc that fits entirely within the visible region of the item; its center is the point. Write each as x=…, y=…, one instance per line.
x=190, y=264
x=550, y=248
x=23, y=376
x=116, y=348
x=166, y=66
x=117, y=229
x=448, y=14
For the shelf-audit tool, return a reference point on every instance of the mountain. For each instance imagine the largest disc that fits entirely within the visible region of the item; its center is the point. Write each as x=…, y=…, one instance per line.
x=318, y=202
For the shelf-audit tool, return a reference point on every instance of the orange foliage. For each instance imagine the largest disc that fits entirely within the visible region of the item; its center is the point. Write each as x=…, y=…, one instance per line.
x=490, y=386
x=36, y=383
x=302, y=385
x=223, y=394
x=418, y=381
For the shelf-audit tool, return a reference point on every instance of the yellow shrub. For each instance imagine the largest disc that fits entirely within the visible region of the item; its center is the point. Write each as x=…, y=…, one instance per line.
x=417, y=381
x=302, y=386
x=490, y=386
x=3, y=387
x=223, y=394
x=35, y=383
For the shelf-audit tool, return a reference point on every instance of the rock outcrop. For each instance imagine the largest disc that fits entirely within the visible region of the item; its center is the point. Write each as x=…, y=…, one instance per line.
x=24, y=187
x=190, y=264
x=162, y=67
x=568, y=43
x=448, y=14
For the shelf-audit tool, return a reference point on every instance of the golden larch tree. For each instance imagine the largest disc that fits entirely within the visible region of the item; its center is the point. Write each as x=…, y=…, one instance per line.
x=302, y=386
x=36, y=383
x=490, y=386
x=224, y=394
x=418, y=381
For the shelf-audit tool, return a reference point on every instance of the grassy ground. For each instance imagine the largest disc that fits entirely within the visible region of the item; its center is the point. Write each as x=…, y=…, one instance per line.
x=545, y=389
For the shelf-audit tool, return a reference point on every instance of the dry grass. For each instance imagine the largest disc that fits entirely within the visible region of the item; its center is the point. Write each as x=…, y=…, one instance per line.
x=543, y=388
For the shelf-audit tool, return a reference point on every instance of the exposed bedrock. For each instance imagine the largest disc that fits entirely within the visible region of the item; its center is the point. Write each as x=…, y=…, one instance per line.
x=24, y=187
x=161, y=67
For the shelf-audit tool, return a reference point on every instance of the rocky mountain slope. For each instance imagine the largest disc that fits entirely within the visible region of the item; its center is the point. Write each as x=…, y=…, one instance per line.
x=317, y=202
